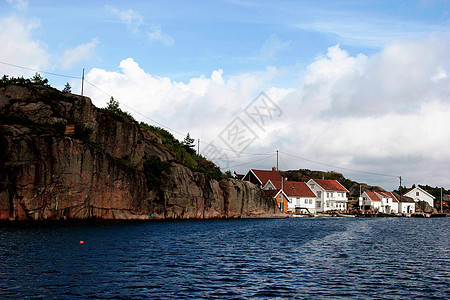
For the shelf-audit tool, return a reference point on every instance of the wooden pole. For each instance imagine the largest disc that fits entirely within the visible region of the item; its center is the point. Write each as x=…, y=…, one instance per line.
x=82, y=83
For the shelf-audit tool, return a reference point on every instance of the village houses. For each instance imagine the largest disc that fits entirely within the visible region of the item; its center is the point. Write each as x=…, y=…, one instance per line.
x=317, y=195
x=385, y=202
x=320, y=195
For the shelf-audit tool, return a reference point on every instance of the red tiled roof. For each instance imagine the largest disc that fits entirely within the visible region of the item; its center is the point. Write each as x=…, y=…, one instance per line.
x=271, y=193
x=330, y=185
x=297, y=189
x=265, y=176
x=277, y=184
x=389, y=195
x=372, y=195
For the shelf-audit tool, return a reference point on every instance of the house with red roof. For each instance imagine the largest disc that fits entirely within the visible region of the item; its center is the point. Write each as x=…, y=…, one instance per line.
x=330, y=194
x=301, y=197
x=370, y=201
x=385, y=202
x=261, y=177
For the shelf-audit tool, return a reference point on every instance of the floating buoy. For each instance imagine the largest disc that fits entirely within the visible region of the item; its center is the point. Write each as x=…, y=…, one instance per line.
x=81, y=242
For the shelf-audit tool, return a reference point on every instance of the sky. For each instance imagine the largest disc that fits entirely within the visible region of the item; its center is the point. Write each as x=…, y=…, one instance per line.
x=357, y=87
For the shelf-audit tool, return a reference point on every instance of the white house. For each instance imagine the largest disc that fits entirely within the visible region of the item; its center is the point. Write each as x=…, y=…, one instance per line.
x=330, y=194
x=301, y=197
x=419, y=194
x=383, y=202
x=370, y=200
x=406, y=206
x=389, y=203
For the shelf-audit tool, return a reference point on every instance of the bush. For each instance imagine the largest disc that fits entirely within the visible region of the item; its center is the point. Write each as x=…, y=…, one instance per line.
x=153, y=169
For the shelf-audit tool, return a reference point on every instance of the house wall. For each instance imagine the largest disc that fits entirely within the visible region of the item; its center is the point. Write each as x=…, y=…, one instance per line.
x=388, y=205
x=419, y=195
x=335, y=200
x=282, y=202
x=403, y=207
x=252, y=178
x=319, y=192
x=302, y=205
x=328, y=200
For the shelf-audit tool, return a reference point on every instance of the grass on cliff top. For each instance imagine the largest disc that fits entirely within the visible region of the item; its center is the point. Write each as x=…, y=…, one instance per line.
x=185, y=153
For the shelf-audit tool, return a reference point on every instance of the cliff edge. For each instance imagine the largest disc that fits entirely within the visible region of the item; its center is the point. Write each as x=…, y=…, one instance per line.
x=108, y=168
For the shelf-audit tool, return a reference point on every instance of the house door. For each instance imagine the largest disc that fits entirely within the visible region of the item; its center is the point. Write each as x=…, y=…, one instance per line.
x=388, y=209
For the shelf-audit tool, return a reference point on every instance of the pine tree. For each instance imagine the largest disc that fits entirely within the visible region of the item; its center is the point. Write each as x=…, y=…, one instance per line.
x=67, y=88
x=113, y=105
x=188, y=144
x=38, y=79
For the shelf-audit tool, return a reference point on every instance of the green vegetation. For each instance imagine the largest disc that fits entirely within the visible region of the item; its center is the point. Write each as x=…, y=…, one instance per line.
x=115, y=112
x=36, y=79
x=185, y=153
x=153, y=168
x=67, y=88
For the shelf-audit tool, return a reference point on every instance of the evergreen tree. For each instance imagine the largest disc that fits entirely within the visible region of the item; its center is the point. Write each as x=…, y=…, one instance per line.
x=38, y=79
x=67, y=88
x=188, y=144
x=113, y=105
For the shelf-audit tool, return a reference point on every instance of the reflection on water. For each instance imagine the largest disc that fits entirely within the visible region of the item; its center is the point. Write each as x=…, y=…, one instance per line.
x=290, y=258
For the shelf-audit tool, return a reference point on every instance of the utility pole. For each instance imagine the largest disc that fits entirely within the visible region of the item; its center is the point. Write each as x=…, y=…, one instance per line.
x=277, y=160
x=82, y=83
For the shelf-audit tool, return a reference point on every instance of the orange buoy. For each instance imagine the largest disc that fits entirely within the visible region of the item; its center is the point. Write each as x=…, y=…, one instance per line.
x=81, y=242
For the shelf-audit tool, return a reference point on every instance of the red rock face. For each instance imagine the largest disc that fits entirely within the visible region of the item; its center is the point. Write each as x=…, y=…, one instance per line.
x=45, y=175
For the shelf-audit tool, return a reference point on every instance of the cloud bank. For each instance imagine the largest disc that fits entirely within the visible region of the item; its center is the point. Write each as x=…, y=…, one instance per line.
x=385, y=113
x=19, y=47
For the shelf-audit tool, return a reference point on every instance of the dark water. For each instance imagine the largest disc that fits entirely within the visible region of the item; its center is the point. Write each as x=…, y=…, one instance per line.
x=289, y=258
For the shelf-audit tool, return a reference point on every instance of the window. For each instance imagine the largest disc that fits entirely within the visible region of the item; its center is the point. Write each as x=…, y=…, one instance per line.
x=417, y=193
x=312, y=185
x=328, y=204
x=319, y=194
x=279, y=197
x=310, y=201
x=318, y=204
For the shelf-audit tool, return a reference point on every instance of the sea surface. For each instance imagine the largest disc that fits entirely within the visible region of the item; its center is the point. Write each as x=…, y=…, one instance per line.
x=314, y=258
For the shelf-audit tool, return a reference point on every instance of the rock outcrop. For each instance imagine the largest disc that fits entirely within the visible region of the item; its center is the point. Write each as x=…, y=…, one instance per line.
x=98, y=173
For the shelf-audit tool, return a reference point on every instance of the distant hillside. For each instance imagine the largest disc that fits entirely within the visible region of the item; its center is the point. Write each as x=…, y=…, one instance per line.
x=305, y=175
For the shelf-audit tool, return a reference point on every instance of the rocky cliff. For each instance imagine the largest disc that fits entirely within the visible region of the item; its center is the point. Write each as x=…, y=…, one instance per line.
x=100, y=171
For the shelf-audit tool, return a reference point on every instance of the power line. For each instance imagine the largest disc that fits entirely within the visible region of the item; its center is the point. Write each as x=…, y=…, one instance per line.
x=251, y=162
x=337, y=167
x=39, y=71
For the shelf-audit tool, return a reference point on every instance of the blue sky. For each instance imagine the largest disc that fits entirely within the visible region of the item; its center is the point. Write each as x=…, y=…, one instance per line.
x=375, y=66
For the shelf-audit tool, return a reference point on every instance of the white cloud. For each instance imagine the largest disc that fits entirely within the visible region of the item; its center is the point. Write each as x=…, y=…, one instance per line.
x=384, y=113
x=156, y=35
x=19, y=4
x=79, y=53
x=134, y=21
x=129, y=17
x=362, y=29
x=20, y=48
